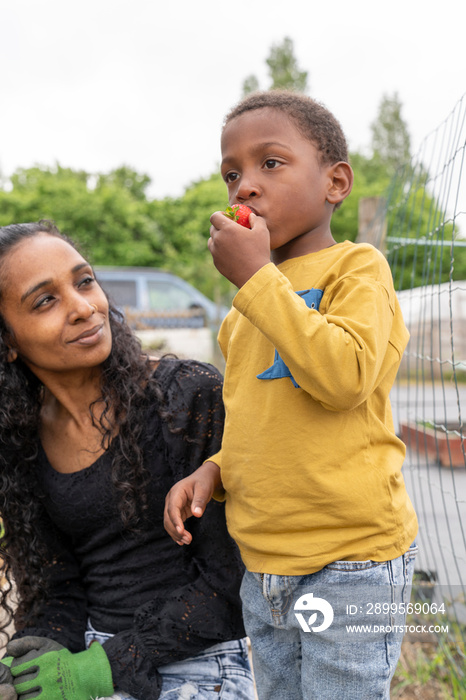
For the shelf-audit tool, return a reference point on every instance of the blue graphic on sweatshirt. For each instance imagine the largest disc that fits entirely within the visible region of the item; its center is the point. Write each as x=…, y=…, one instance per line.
x=278, y=370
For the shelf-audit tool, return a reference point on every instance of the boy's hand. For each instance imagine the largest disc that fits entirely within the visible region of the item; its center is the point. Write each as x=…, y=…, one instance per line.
x=190, y=497
x=238, y=252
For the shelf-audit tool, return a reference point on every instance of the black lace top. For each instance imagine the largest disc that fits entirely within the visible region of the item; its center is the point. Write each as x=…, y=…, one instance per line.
x=162, y=602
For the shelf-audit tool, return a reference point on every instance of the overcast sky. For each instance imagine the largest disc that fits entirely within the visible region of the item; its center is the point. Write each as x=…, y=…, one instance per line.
x=96, y=84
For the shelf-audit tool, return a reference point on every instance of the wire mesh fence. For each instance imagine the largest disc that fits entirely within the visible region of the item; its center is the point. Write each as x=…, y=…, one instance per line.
x=421, y=226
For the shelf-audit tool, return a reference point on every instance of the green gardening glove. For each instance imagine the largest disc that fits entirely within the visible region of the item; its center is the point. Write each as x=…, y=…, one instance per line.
x=44, y=669
x=7, y=691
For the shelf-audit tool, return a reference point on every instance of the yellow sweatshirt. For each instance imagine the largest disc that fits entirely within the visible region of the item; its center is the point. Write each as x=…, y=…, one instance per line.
x=312, y=473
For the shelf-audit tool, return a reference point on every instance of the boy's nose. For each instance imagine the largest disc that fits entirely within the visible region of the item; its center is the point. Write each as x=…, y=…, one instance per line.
x=246, y=190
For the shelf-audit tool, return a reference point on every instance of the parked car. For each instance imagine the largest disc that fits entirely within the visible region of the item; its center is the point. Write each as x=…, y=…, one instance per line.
x=152, y=298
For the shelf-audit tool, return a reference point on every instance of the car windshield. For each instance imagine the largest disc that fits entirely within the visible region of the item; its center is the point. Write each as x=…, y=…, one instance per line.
x=122, y=292
x=165, y=296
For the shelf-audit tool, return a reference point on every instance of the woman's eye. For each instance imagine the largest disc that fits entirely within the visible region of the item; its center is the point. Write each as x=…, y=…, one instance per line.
x=43, y=301
x=271, y=163
x=86, y=281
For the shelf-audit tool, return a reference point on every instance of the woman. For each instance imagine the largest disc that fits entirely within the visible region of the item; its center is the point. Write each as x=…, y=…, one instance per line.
x=93, y=433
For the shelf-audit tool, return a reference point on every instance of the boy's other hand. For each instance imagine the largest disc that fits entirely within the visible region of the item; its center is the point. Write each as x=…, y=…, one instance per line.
x=189, y=497
x=238, y=252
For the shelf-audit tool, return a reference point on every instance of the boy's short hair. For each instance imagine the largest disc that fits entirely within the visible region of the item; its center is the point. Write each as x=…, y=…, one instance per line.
x=313, y=120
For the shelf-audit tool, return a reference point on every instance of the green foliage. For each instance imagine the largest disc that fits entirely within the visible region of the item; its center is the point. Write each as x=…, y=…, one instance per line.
x=373, y=175
x=420, y=234
x=390, y=137
x=128, y=179
x=413, y=214
x=370, y=180
x=111, y=223
x=184, y=224
x=114, y=221
x=431, y=669
x=110, y=216
x=250, y=84
x=283, y=70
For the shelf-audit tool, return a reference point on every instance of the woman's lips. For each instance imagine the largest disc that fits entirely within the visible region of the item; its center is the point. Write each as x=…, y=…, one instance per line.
x=90, y=336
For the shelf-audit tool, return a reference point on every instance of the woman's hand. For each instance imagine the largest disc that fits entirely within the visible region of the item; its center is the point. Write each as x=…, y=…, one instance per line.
x=7, y=690
x=189, y=497
x=42, y=667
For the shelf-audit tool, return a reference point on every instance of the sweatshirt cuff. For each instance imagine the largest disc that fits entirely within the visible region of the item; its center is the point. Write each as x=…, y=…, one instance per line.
x=254, y=286
x=220, y=493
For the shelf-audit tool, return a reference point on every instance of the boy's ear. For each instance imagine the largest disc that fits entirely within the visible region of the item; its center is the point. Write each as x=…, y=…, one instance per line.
x=341, y=182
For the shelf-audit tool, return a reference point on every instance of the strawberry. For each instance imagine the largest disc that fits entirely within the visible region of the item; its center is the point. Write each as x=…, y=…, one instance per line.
x=239, y=213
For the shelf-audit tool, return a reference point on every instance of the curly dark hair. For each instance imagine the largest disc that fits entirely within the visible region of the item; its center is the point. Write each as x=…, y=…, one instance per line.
x=127, y=385
x=315, y=122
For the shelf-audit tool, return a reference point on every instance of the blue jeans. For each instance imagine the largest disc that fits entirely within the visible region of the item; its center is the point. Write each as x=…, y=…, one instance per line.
x=221, y=672
x=335, y=634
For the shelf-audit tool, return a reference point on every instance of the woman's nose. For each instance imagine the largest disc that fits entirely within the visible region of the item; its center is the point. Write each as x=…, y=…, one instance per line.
x=80, y=308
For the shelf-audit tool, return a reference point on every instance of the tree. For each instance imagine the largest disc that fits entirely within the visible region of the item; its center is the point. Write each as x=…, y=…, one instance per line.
x=114, y=223
x=128, y=179
x=390, y=137
x=371, y=179
x=184, y=226
x=100, y=212
x=283, y=70
x=374, y=175
x=250, y=84
x=419, y=232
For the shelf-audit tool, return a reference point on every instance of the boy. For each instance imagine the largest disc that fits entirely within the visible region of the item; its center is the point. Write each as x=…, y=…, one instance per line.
x=310, y=464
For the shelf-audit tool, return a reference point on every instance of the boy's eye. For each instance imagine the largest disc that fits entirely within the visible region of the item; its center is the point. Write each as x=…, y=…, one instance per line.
x=231, y=177
x=271, y=163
